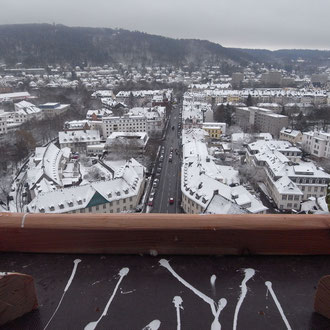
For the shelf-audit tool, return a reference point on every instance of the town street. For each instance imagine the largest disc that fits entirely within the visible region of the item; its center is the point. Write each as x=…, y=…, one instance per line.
x=169, y=178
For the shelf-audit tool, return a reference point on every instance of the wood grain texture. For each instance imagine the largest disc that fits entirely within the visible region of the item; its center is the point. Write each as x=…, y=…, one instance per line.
x=17, y=296
x=322, y=297
x=166, y=234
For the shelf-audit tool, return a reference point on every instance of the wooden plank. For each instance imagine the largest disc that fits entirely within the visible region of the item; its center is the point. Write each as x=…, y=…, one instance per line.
x=322, y=297
x=165, y=233
x=17, y=296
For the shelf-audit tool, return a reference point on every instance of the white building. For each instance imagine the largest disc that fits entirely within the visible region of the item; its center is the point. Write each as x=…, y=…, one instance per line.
x=3, y=122
x=25, y=111
x=202, y=179
x=78, y=140
x=290, y=135
x=289, y=180
x=149, y=120
x=137, y=140
x=120, y=194
x=316, y=143
x=51, y=168
x=52, y=109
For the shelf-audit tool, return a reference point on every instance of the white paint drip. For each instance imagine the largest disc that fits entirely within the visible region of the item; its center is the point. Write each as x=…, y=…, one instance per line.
x=76, y=262
x=92, y=325
x=177, y=301
x=212, y=281
x=23, y=220
x=153, y=325
x=216, y=324
x=216, y=312
x=270, y=288
x=249, y=273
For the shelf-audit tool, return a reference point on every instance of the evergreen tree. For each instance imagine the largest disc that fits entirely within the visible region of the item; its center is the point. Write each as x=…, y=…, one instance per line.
x=249, y=101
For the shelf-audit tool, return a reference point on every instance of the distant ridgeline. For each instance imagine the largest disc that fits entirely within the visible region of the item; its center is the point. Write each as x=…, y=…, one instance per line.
x=42, y=44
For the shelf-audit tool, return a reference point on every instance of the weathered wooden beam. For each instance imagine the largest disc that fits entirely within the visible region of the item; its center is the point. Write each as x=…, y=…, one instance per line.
x=17, y=296
x=276, y=234
x=322, y=297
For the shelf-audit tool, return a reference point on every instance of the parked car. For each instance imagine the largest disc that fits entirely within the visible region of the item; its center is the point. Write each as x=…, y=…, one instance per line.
x=171, y=200
x=151, y=201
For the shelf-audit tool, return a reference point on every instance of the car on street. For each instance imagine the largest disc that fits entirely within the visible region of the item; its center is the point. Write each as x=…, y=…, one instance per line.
x=171, y=200
x=151, y=201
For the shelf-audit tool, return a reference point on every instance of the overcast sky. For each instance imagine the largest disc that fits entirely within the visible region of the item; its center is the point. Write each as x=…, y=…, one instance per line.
x=270, y=24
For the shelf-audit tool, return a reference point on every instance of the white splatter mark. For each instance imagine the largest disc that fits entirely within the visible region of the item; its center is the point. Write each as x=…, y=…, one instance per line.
x=126, y=292
x=92, y=325
x=76, y=262
x=215, y=311
x=177, y=301
x=249, y=273
x=153, y=253
x=153, y=325
x=270, y=288
x=96, y=282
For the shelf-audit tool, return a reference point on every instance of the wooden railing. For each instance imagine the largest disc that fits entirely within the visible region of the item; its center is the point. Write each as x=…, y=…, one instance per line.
x=165, y=234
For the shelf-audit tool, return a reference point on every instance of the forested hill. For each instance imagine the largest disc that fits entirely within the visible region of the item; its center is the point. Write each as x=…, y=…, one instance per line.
x=41, y=44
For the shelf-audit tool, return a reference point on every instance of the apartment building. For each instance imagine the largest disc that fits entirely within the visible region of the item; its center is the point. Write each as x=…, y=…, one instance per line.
x=215, y=130
x=260, y=119
x=202, y=180
x=289, y=180
x=317, y=143
x=52, y=109
x=141, y=119
x=3, y=122
x=290, y=135
x=125, y=123
x=25, y=111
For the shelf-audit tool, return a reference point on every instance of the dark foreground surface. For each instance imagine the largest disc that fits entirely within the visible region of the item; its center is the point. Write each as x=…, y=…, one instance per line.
x=136, y=291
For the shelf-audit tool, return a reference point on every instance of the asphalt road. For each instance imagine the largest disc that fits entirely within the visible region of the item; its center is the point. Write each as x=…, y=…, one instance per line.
x=169, y=177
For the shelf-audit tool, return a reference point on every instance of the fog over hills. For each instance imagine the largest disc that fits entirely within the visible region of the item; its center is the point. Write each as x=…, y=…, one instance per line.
x=42, y=44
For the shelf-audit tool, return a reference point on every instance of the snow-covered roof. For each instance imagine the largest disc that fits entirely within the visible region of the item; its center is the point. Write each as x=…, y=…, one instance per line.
x=87, y=136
